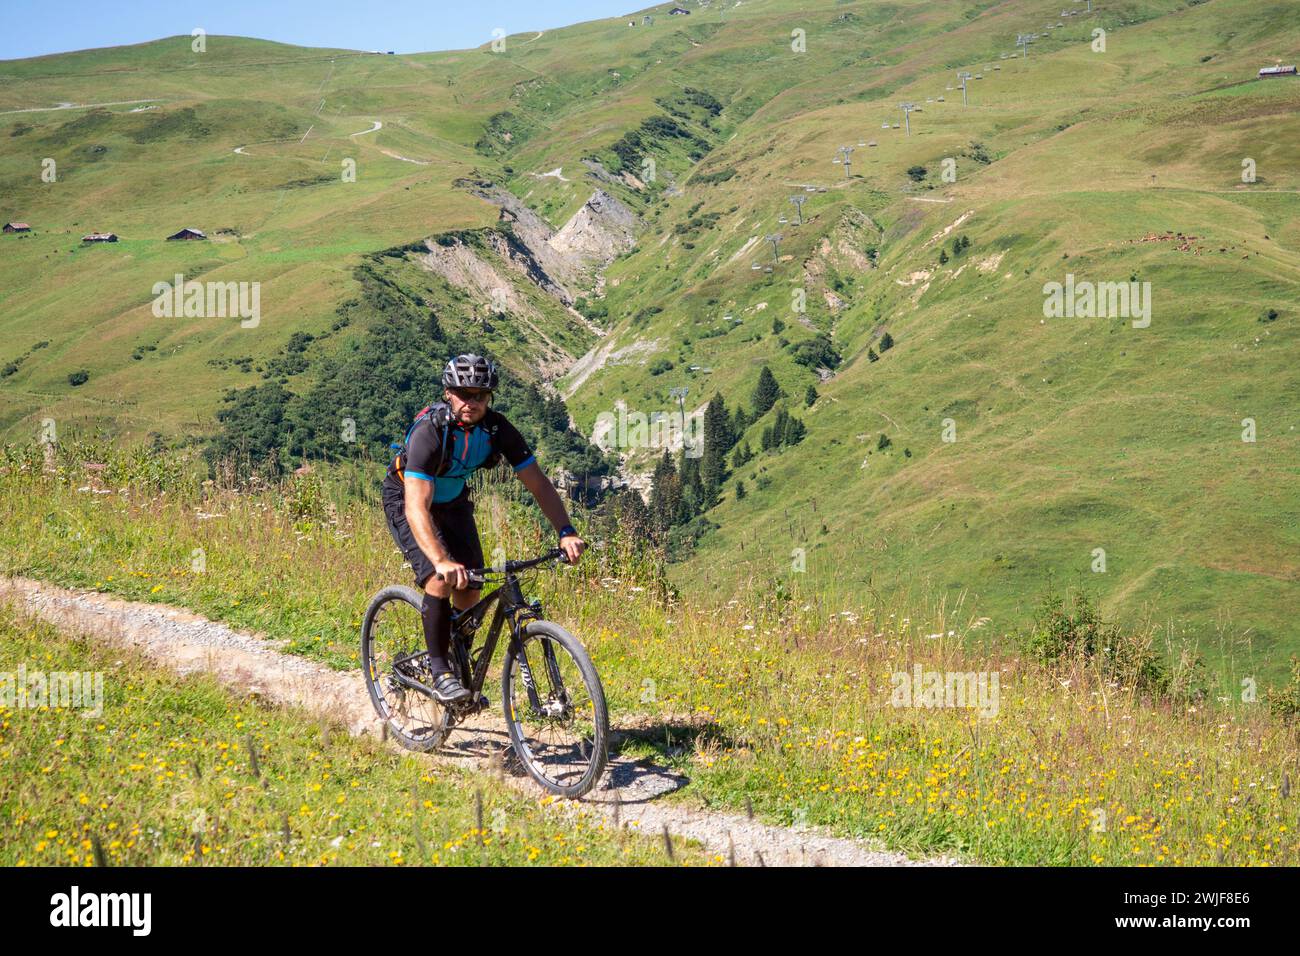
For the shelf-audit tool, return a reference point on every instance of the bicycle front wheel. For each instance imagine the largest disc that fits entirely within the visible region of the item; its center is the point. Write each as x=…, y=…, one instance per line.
x=555, y=709
x=392, y=636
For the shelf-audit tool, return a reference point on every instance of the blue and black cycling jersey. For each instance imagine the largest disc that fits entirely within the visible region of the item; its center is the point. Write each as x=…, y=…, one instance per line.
x=466, y=449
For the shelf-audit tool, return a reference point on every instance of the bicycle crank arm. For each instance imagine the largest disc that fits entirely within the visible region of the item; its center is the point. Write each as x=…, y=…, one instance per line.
x=413, y=684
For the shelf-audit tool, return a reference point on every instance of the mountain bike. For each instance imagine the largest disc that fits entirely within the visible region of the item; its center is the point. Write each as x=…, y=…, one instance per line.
x=552, y=697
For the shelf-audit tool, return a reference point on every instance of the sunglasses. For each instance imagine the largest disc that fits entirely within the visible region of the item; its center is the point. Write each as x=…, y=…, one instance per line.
x=472, y=394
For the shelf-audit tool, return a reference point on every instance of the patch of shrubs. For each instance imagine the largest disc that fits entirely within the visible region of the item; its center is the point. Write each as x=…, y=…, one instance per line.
x=1075, y=633
x=713, y=178
x=816, y=353
x=696, y=223
x=643, y=314
x=655, y=130
x=784, y=430
x=1284, y=701
x=593, y=310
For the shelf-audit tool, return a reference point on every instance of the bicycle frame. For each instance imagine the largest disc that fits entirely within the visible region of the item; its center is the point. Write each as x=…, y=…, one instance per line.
x=509, y=602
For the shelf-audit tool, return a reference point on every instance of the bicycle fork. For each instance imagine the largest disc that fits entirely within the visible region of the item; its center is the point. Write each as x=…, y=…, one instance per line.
x=553, y=707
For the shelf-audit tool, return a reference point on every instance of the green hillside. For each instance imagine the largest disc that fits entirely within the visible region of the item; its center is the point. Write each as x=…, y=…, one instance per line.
x=476, y=200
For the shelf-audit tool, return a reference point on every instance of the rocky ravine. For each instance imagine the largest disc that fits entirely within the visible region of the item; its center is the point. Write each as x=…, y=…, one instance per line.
x=187, y=642
x=571, y=259
x=497, y=266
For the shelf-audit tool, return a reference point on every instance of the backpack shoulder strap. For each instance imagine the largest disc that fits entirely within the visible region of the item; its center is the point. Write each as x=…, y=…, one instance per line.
x=440, y=418
x=440, y=413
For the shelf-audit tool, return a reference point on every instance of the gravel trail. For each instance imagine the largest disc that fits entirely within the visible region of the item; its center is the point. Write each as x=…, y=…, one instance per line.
x=187, y=642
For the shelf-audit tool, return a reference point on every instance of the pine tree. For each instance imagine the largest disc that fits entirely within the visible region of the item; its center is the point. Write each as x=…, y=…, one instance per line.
x=871, y=354
x=810, y=396
x=632, y=511
x=740, y=490
x=766, y=392
x=794, y=430
x=665, y=495
x=695, y=496
x=717, y=442
x=886, y=342
x=557, y=416
x=780, y=426
x=686, y=466
x=739, y=422
x=943, y=257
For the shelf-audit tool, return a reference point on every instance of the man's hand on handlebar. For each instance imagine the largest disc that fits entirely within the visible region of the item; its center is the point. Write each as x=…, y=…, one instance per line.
x=453, y=572
x=572, y=546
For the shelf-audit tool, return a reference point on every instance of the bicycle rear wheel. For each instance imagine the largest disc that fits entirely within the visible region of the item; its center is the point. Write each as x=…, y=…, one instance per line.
x=555, y=709
x=392, y=636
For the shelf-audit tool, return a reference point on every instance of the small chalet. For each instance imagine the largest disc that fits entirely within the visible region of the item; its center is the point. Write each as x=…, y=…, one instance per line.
x=679, y=12
x=187, y=234
x=100, y=237
x=1269, y=71
x=17, y=227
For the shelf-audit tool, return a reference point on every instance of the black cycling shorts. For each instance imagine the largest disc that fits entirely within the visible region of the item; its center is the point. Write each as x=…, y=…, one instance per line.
x=455, y=527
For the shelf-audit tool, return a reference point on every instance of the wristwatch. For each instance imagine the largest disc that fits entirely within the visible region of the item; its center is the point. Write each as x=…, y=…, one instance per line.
x=567, y=530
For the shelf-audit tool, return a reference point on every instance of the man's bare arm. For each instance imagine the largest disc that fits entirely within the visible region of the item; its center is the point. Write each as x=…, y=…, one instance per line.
x=418, y=496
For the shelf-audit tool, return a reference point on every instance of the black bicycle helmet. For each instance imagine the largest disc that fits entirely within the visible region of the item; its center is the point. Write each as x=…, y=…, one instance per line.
x=470, y=371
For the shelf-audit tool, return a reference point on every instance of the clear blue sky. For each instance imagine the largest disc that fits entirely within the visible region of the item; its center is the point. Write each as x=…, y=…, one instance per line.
x=37, y=27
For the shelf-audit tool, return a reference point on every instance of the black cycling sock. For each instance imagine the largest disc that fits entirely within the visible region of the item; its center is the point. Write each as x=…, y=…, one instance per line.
x=435, y=612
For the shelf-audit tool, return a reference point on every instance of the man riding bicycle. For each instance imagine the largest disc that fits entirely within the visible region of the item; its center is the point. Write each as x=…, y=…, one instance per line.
x=428, y=508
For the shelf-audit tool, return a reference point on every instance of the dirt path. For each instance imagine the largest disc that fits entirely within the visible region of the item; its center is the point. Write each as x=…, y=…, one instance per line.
x=76, y=106
x=187, y=642
x=405, y=159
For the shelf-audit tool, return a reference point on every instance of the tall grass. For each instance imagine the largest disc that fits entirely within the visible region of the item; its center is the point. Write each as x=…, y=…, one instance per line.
x=174, y=771
x=772, y=699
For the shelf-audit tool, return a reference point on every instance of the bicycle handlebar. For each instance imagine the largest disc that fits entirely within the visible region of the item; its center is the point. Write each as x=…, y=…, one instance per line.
x=510, y=567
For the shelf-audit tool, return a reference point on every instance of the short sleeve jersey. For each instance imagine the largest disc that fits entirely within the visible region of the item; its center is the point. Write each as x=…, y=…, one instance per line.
x=479, y=446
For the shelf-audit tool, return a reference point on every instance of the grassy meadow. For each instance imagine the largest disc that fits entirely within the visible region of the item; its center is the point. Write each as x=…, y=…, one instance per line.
x=170, y=771
x=778, y=702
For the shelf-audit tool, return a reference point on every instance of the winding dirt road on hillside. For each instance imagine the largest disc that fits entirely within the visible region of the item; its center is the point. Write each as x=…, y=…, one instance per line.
x=188, y=643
